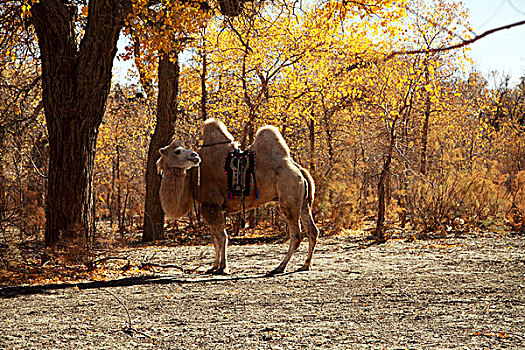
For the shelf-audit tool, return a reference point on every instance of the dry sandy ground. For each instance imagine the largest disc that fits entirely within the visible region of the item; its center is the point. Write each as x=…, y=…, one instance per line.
x=451, y=293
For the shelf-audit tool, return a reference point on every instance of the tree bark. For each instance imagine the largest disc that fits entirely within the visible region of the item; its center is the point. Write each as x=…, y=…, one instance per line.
x=75, y=84
x=168, y=76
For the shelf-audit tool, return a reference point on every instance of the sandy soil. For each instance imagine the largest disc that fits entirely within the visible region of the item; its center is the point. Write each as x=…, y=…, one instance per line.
x=451, y=293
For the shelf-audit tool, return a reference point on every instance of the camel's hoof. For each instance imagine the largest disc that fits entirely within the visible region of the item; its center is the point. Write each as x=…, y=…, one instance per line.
x=211, y=271
x=303, y=268
x=274, y=272
x=220, y=272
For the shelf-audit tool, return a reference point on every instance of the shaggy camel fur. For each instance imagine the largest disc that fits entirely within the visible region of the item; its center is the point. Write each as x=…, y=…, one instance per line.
x=175, y=164
x=279, y=179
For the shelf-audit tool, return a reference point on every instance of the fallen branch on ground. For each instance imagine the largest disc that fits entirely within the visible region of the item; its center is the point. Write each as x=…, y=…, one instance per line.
x=129, y=329
x=98, y=261
x=145, y=265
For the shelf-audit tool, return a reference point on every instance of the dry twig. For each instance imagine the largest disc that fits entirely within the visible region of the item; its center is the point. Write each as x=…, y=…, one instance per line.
x=129, y=329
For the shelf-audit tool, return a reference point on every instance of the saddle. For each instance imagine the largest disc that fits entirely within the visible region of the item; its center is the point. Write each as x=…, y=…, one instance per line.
x=239, y=167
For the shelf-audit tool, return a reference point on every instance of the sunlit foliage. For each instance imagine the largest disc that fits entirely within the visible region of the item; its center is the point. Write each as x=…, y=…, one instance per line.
x=446, y=144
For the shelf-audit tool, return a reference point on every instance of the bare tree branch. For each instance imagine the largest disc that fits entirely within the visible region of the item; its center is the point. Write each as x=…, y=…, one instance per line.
x=456, y=46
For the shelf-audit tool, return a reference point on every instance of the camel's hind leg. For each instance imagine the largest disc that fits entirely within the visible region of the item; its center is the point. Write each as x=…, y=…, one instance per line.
x=295, y=239
x=215, y=219
x=312, y=232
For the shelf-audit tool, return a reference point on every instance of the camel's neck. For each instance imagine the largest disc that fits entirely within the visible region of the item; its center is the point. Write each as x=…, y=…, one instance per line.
x=175, y=193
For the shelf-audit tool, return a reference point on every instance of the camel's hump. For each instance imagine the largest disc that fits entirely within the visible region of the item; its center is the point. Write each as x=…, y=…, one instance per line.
x=269, y=140
x=215, y=131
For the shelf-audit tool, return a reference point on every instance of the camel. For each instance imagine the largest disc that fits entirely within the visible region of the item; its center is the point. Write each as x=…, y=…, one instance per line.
x=279, y=179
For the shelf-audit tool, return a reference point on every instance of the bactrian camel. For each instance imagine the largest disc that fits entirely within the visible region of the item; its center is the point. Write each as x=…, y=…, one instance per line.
x=278, y=178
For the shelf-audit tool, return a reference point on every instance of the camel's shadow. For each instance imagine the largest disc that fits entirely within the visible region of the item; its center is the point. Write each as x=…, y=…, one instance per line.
x=15, y=291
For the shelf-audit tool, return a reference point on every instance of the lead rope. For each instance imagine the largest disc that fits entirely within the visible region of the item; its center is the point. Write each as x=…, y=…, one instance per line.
x=243, y=185
x=243, y=217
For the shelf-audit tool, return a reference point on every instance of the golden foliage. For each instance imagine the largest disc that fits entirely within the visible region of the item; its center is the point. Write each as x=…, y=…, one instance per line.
x=318, y=73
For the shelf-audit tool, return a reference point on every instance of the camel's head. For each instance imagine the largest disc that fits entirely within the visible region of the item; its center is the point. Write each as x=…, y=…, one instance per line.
x=176, y=156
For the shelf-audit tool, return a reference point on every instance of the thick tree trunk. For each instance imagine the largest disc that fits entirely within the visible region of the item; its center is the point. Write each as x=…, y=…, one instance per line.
x=75, y=84
x=166, y=116
x=69, y=196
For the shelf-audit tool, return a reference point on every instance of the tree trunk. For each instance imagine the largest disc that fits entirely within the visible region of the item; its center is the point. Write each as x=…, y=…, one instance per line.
x=204, y=92
x=329, y=138
x=69, y=196
x=311, y=139
x=75, y=84
x=424, y=138
x=166, y=116
x=381, y=187
x=424, y=134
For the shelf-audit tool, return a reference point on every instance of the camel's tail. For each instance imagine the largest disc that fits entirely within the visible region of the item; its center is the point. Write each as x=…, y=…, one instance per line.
x=310, y=184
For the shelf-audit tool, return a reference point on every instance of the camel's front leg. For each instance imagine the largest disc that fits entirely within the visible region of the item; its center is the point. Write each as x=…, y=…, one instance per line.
x=216, y=262
x=215, y=219
x=220, y=265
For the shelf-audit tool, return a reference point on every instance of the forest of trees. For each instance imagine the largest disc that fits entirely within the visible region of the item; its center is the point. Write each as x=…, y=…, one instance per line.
x=419, y=141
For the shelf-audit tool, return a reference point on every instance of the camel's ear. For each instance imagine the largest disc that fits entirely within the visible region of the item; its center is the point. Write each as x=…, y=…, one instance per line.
x=161, y=166
x=162, y=151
